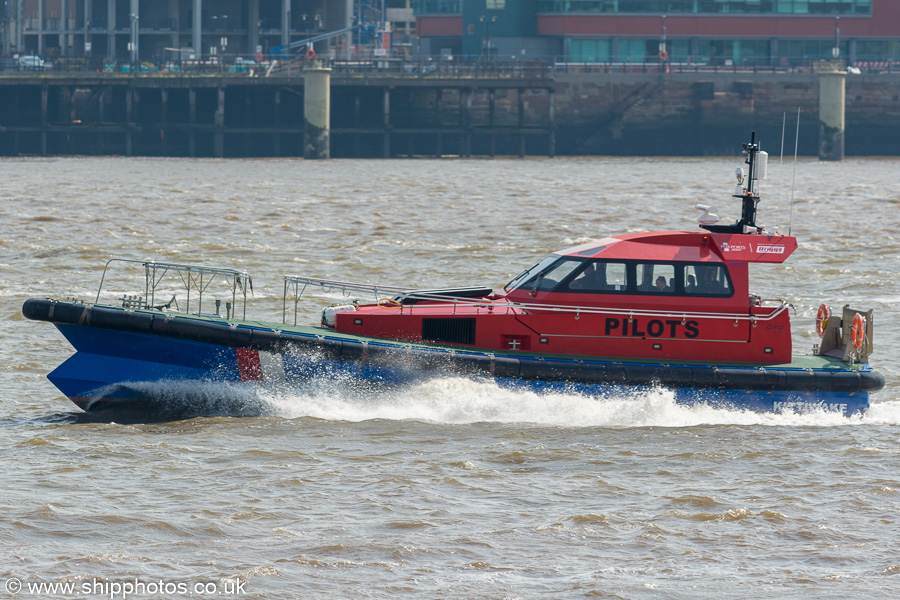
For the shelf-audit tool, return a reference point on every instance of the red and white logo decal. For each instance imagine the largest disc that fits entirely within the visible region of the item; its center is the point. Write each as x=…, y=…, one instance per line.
x=254, y=365
x=726, y=247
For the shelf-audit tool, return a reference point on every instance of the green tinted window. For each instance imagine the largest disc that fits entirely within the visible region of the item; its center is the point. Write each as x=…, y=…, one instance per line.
x=659, y=7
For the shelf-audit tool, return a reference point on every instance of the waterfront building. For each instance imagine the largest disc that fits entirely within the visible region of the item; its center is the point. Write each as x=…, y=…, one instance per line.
x=161, y=30
x=740, y=33
x=751, y=33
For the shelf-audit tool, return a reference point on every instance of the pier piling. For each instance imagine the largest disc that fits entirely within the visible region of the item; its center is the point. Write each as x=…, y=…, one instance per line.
x=316, y=112
x=831, y=114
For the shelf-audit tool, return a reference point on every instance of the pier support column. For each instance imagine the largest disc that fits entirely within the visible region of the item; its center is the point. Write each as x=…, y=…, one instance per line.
x=316, y=112
x=831, y=114
x=101, y=116
x=521, y=123
x=219, y=135
x=493, y=139
x=552, y=115
x=387, y=123
x=192, y=118
x=70, y=103
x=163, y=119
x=357, y=124
x=67, y=99
x=276, y=141
x=467, y=121
x=129, y=119
x=44, y=100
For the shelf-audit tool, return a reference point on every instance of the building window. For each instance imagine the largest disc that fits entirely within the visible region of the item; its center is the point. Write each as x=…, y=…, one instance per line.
x=424, y=7
x=792, y=7
x=798, y=52
x=495, y=4
x=877, y=50
x=591, y=51
x=634, y=51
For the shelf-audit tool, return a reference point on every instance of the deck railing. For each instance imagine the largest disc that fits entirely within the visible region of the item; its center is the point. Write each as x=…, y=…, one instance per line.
x=398, y=298
x=191, y=277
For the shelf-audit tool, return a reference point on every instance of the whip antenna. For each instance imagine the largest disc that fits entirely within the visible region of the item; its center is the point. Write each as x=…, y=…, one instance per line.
x=781, y=159
x=794, y=178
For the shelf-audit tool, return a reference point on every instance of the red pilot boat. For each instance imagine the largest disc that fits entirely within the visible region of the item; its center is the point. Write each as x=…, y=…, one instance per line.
x=666, y=309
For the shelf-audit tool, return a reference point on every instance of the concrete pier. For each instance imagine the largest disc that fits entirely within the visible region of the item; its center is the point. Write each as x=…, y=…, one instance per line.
x=373, y=116
x=832, y=104
x=316, y=112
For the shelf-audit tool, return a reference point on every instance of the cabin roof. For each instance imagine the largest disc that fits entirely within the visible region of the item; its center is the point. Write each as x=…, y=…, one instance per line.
x=689, y=246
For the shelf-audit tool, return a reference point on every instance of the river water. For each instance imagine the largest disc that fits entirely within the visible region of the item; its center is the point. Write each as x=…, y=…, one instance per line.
x=452, y=488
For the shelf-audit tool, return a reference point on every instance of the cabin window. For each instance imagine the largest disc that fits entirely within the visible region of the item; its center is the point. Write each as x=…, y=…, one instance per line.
x=706, y=280
x=546, y=280
x=575, y=275
x=531, y=273
x=599, y=276
x=655, y=278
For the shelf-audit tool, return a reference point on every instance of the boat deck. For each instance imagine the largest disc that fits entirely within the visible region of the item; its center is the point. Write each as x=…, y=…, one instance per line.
x=799, y=362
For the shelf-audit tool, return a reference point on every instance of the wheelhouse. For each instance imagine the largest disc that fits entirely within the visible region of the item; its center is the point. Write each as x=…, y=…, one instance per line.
x=679, y=268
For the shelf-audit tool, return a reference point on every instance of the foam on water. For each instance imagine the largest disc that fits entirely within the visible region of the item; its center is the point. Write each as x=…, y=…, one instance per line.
x=457, y=400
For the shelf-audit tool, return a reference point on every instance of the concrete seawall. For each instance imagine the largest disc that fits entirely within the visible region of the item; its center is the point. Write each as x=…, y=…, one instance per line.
x=565, y=114
x=701, y=113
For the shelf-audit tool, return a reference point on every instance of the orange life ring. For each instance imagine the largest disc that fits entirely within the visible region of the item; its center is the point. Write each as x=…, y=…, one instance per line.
x=389, y=303
x=857, y=331
x=663, y=55
x=310, y=54
x=259, y=57
x=822, y=319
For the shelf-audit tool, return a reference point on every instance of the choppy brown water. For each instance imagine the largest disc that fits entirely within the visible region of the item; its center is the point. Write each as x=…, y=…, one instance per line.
x=452, y=489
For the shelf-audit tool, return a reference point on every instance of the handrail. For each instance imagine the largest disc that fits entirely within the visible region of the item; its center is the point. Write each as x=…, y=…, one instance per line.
x=192, y=276
x=501, y=305
x=326, y=285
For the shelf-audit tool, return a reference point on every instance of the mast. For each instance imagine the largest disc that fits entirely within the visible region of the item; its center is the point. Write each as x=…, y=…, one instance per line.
x=756, y=163
x=750, y=197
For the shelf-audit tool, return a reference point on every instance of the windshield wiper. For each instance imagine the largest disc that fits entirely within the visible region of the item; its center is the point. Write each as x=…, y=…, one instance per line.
x=537, y=282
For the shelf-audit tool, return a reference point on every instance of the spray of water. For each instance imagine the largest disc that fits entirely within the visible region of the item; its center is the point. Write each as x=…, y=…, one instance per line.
x=457, y=400
x=460, y=400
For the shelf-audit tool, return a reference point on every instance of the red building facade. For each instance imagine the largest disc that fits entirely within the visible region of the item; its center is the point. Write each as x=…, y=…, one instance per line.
x=704, y=32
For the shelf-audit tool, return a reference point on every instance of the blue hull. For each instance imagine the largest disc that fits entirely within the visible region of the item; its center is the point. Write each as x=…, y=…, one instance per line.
x=126, y=370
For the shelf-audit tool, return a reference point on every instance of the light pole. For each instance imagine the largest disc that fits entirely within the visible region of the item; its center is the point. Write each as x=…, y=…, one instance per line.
x=836, y=51
x=220, y=23
x=308, y=33
x=487, y=35
x=663, y=53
